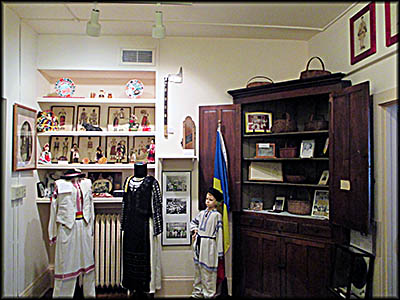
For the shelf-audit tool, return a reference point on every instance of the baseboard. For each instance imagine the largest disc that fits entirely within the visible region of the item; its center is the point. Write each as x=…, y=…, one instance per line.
x=40, y=285
x=179, y=287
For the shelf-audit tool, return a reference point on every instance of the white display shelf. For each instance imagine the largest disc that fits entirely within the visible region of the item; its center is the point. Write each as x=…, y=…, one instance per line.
x=177, y=157
x=116, y=166
x=95, y=200
x=110, y=101
x=96, y=133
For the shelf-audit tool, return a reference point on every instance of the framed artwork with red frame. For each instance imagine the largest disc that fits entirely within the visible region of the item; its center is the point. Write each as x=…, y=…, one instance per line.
x=363, y=34
x=391, y=23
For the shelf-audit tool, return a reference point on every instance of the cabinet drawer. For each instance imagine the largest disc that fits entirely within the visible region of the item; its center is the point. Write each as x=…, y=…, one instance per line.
x=251, y=221
x=317, y=230
x=281, y=226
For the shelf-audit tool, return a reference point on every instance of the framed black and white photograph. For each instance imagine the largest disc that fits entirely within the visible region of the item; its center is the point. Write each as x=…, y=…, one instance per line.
x=65, y=115
x=176, y=191
x=321, y=204
x=279, y=204
x=307, y=149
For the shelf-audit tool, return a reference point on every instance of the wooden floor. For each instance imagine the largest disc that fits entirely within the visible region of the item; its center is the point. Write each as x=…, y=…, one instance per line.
x=102, y=293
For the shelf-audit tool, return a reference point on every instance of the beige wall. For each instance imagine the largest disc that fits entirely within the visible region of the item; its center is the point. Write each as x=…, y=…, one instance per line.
x=380, y=69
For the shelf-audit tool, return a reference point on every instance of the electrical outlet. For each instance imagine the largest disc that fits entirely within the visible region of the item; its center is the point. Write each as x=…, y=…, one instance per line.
x=18, y=191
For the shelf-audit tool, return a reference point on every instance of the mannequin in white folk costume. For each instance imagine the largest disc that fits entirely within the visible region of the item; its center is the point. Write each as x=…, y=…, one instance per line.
x=71, y=229
x=142, y=227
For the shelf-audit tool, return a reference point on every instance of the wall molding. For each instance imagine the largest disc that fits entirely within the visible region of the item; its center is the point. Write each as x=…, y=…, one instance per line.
x=40, y=285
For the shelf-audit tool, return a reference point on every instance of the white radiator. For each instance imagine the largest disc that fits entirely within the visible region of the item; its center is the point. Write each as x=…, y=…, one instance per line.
x=108, y=250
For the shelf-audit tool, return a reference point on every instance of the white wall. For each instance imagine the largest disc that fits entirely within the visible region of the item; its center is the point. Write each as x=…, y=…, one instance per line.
x=210, y=68
x=24, y=252
x=380, y=69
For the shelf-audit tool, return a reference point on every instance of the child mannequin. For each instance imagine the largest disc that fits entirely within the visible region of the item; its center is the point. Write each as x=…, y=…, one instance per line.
x=207, y=238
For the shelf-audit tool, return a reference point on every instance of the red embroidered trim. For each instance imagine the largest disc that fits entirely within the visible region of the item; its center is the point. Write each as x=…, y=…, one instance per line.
x=74, y=274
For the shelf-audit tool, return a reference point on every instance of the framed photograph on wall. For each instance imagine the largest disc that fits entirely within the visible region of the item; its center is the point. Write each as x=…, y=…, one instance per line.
x=176, y=191
x=24, y=138
x=60, y=148
x=321, y=204
x=117, y=149
x=391, y=22
x=65, y=115
x=87, y=148
x=258, y=122
x=146, y=117
x=363, y=34
x=118, y=118
x=87, y=114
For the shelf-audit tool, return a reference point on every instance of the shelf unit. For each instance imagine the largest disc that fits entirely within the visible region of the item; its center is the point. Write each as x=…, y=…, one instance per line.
x=95, y=200
x=92, y=81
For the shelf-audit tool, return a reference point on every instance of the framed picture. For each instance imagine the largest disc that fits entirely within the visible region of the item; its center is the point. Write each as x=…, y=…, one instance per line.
x=265, y=171
x=87, y=114
x=146, y=118
x=307, y=149
x=176, y=191
x=118, y=118
x=258, y=122
x=279, y=204
x=60, y=148
x=391, y=22
x=87, y=148
x=324, y=178
x=105, y=182
x=256, y=204
x=65, y=115
x=117, y=149
x=41, y=189
x=321, y=204
x=140, y=150
x=265, y=150
x=24, y=138
x=363, y=34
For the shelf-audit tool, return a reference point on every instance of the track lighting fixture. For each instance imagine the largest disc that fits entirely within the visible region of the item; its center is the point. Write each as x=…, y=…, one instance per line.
x=158, y=31
x=93, y=27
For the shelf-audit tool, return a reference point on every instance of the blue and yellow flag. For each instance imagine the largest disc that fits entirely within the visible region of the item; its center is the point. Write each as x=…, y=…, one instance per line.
x=220, y=183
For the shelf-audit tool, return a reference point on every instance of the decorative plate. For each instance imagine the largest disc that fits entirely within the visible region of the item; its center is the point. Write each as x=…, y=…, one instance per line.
x=65, y=87
x=134, y=88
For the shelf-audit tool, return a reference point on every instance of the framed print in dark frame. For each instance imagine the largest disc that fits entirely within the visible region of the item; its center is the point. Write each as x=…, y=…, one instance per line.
x=391, y=22
x=113, y=144
x=118, y=118
x=265, y=150
x=65, y=115
x=363, y=34
x=24, y=138
x=87, y=114
x=258, y=122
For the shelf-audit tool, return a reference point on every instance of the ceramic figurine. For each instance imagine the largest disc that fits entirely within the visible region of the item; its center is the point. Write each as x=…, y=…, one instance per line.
x=75, y=153
x=133, y=123
x=45, y=156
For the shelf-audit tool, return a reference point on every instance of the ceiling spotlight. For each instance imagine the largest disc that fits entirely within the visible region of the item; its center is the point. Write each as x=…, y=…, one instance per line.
x=158, y=31
x=93, y=27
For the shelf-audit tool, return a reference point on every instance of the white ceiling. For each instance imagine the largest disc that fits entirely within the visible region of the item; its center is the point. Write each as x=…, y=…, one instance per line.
x=263, y=20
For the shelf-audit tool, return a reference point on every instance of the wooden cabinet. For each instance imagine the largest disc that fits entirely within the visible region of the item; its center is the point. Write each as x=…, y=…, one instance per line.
x=286, y=254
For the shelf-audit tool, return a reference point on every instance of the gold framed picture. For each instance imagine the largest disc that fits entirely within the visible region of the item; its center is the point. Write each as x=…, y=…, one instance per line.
x=146, y=117
x=265, y=171
x=265, y=150
x=258, y=122
x=24, y=138
x=118, y=118
x=65, y=115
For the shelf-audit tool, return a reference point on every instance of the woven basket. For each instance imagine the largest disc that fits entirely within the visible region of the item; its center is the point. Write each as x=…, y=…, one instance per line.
x=284, y=125
x=295, y=178
x=299, y=207
x=314, y=73
x=258, y=83
x=288, y=152
x=316, y=124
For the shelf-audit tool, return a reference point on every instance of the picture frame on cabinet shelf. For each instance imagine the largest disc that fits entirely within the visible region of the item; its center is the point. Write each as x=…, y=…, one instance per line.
x=176, y=194
x=41, y=189
x=265, y=171
x=363, y=34
x=265, y=150
x=105, y=182
x=87, y=148
x=307, y=148
x=142, y=149
x=256, y=204
x=24, y=138
x=324, y=178
x=279, y=204
x=87, y=114
x=60, y=148
x=117, y=149
x=391, y=22
x=320, y=206
x=65, y=115
x=118, y=118
x=260, y=122
x=146, y=117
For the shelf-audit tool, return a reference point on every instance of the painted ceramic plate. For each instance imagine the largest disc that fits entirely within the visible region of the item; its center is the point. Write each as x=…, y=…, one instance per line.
x=134, y=88
x=65, y=87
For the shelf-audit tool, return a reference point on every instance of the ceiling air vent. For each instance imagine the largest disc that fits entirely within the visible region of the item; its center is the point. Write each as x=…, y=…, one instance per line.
x=137, y=57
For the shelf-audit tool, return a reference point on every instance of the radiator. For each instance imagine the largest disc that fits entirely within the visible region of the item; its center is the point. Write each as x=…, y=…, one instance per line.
x=108, y=250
